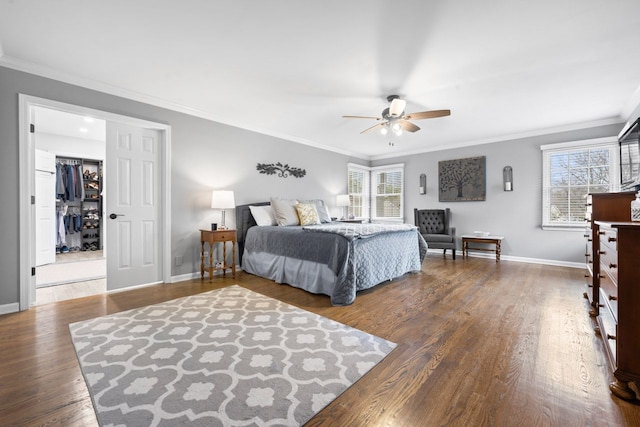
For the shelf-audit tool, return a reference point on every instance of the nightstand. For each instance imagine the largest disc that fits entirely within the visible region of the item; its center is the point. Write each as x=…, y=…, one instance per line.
x=217, y=236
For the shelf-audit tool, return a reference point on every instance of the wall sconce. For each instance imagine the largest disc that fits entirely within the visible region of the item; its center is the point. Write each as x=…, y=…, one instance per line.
x=423, y=183
x=343, y=201
x=221, y=199
x=507, y=178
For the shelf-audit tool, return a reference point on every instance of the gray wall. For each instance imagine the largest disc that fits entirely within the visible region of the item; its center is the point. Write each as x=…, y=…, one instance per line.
x=205, y=155
x=517, y=214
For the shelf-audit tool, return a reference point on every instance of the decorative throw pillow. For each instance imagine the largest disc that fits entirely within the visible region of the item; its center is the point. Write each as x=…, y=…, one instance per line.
x=307, y=213
x=285, y=211
x=321, y=208
x=263, y=215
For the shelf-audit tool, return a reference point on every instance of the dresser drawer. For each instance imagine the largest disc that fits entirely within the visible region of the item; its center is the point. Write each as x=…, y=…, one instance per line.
x=608, y=239
x=609, y=332
x=609, y=294
x=609, y=263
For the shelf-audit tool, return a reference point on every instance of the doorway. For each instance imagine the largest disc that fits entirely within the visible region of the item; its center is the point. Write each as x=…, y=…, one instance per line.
x=27, y=228
x=69, y=175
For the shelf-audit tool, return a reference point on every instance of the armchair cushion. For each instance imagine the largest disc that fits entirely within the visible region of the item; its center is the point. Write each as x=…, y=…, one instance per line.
x=434, y=226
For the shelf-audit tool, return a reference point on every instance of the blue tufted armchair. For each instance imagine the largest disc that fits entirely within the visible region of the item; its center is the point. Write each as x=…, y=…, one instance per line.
x=433, y=224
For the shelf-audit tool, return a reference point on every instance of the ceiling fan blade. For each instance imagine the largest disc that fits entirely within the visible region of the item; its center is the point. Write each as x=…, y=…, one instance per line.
x=362, y=117
x=397, y=107
x=408, y=126
x=427, y=114
x=379, y=125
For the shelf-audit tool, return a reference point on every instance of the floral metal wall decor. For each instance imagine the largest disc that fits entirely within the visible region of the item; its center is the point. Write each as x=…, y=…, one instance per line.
x=462, y=180
x=283, y=171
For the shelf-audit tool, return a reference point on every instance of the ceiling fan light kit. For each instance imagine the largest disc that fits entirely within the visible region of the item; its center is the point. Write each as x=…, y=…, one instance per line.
x=394, y=118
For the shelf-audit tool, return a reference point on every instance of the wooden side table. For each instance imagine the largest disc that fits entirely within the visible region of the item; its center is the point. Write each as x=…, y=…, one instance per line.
x=495, y=240
x=212, y=237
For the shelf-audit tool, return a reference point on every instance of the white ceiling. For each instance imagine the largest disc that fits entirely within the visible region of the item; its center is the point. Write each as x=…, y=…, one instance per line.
x=291, y=68
x=67, y=124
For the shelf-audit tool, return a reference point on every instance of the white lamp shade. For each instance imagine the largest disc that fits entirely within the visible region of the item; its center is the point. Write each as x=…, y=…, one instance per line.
x=222, y=199
x=342, y=200
x=397, y=107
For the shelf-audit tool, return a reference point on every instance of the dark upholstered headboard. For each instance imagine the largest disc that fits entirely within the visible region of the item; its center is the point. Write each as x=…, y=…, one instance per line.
x=244, y=221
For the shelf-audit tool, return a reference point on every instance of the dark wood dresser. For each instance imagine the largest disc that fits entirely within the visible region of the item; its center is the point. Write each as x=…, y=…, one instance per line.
x=619, y=314
x=601, y=207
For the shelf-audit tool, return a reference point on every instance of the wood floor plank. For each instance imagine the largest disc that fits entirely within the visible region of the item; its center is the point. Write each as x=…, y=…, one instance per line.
x=479, y=343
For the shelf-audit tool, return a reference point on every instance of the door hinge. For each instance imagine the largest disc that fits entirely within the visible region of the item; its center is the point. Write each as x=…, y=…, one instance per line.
x=32, y=128
x=33, y=271
x=33, y=200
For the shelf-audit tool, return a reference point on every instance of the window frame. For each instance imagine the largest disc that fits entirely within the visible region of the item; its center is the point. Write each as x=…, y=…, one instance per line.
x=386, y=169
x=365, y=195
x=573, y=147
x=370, y=192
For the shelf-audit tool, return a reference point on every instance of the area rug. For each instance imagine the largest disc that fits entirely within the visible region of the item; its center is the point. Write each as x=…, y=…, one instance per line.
x=228, y=357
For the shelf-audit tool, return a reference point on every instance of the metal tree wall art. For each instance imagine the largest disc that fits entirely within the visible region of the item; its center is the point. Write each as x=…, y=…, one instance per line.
x=283, y=171
x=462, y=179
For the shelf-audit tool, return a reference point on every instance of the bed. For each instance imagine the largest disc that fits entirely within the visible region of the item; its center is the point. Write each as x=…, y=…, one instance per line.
x=334, y=259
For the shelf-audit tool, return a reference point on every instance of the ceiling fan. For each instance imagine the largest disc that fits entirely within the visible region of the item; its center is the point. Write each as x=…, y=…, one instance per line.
x=394, y=118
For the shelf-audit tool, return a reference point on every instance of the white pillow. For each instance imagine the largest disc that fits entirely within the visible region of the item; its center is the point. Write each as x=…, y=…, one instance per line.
x=285, y=211
x=263, y=215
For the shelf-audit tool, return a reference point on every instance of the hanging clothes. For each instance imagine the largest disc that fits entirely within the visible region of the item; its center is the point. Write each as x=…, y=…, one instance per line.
x=61, y=185
x=61, y=235
x=70, y=190
x=79, y=187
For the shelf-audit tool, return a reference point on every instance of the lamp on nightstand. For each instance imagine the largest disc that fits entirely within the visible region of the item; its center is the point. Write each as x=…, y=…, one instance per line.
x=222, y=199
x=343, y=202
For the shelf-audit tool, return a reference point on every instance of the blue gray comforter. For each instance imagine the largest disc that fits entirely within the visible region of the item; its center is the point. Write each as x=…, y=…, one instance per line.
x=360, y=255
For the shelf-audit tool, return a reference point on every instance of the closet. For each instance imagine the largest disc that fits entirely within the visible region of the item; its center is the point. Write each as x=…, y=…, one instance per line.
x=78, y=195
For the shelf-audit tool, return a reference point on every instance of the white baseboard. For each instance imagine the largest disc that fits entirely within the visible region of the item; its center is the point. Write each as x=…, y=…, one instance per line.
x=9, y=308
x=183, y=277
x=195, y=275
x=517, y=259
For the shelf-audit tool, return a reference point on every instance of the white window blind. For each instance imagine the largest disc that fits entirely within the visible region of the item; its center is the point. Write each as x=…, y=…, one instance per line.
x=358, y=189
x=570, y=172
x=387, y=193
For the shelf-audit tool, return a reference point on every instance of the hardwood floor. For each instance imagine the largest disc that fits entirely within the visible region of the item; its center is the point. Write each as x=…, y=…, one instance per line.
x=480, y=343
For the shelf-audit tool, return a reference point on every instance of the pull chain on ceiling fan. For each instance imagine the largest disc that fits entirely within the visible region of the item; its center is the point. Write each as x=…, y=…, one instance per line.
x=394, y=118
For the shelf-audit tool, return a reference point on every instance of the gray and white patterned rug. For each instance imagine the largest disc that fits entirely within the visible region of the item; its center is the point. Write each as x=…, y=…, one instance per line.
x=228, y=357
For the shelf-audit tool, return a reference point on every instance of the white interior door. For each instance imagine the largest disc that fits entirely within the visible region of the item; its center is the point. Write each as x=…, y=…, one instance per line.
x=132, y=206
x=45, y=192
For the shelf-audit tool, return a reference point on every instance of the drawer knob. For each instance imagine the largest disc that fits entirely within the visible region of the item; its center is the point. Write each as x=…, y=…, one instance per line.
x=613, y=298
x=586, y=275
x=602, y=252
x=611, y=337
x=611, y=239
x=589, y=240
x=613, y=265
x=601, y=233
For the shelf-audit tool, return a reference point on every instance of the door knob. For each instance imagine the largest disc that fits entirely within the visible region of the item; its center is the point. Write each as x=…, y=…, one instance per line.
x=114, y=216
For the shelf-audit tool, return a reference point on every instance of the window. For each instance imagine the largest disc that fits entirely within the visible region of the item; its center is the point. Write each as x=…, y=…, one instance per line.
x=570, y=172
x=387, y=193
x=358, y=188
x=376, y=192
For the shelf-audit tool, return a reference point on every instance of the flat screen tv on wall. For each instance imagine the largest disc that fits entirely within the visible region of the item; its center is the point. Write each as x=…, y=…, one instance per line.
x=630, y=157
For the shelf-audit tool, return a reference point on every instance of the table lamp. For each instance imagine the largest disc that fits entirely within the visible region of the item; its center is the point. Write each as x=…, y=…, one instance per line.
x=222, y=199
